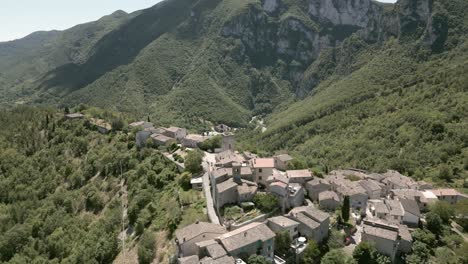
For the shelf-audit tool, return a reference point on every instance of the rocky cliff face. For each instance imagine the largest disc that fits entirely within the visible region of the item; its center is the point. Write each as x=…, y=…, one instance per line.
x=297, y=33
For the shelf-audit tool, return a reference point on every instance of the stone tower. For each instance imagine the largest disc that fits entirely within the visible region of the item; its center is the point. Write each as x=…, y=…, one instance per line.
x=228, y=141
x=236, y=172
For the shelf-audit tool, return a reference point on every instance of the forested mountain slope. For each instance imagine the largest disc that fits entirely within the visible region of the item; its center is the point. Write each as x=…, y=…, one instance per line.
x=186, y=61
x=63, y=187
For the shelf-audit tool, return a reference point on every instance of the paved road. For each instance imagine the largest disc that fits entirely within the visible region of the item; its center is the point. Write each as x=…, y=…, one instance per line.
x=207, y=160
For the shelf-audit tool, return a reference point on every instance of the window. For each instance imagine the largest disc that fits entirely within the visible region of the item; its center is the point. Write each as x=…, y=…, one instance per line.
x=260, y=178
x=260, y=170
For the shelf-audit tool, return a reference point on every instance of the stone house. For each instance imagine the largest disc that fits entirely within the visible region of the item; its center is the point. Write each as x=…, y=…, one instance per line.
x=313, y=223
x=329, y=200
x=254, y=238
x=175, y=132
x=193, y=140
x=281, y=223
x=395, y=180
x=411, y=212
x=262, y=169
x=187, y=237
x=450, y=196
x=299, y=176
x=373, y=189
x=162, y=140
x=315, y=186
x=102, y=126
x=384, y=237
x=281, y=161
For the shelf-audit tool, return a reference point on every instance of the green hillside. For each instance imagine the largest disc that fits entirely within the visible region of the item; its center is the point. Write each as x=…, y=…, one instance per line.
x=63, y=185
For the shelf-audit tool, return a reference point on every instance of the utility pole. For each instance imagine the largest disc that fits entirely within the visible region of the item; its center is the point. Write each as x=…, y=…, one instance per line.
x=124, y=234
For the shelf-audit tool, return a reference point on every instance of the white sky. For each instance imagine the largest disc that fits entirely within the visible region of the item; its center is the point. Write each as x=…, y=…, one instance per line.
x=19, y=18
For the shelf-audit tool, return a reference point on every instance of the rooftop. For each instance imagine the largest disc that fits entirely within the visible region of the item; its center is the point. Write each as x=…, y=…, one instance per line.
x=311, y=211
x=370, y=185
x=328, y=195
x=283, y=221
x=284, y=157
x=444, y=192
x=226, y=185
x=317, y=181
x=263, y=163
x=216, y=251
x=410, y=206
x=306, y=220
x=174, y=129
x=189, y=260
x=191, y=231
x=246, y=235
x=298, y=173
x=161, y=138
x=395, y=207
x=380, y=232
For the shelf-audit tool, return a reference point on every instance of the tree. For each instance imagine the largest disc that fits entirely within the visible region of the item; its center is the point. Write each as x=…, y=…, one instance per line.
x=364, y=253
x=211, y=143
x=311, y=253
x=257, y=259
x=335, y=256
x=146, y=248
x=193, y=161
x=444, y=210
x=184, y=180
x=266, y=202
x=282, y=243
x=434, y=223
x=420, y=253
x=345, y=209
x=424, y=236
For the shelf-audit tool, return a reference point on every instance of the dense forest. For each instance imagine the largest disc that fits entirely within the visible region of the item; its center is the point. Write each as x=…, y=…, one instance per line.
x=64, y=189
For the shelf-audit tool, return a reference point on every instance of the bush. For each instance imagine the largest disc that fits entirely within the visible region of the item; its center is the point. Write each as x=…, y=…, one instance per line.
x=266, y=203
x=146, y=248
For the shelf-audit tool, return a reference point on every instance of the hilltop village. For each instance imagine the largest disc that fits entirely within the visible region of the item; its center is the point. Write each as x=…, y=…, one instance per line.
x=250, y=200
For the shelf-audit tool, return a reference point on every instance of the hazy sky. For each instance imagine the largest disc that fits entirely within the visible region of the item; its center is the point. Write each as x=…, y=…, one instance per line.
x=19, y=18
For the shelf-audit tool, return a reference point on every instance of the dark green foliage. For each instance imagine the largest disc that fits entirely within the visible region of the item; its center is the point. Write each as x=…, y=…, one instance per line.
x=424, y=236
x=444, y=210
x=146, y=248
x=366, y=253
x=193, y=161
x=434, y=223
x=211, y=144
x=60, y=189
x=257, y=259
x=345, y=208
x=311, y=253
x=335, y=256
x=282, y=244
x=420, y=253
x=266, y=202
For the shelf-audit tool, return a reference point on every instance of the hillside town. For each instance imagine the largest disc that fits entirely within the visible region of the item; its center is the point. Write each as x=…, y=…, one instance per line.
x=384, y=208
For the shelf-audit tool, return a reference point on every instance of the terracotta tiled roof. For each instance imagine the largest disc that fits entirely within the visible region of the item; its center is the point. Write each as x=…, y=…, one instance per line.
x=263, y=163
